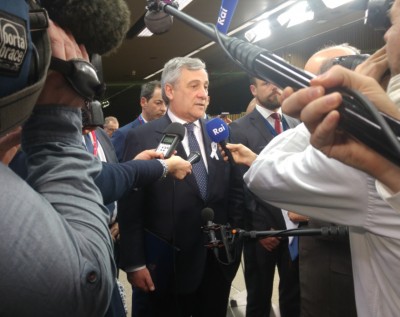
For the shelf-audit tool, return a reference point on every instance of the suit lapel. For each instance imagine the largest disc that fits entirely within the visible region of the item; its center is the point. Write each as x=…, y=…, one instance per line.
x=258, y=121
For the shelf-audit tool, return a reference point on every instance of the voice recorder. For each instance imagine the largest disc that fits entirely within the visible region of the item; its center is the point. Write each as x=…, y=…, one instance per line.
x=173, y=134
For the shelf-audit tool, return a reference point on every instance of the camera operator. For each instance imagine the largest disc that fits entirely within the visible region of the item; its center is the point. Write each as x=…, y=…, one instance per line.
x=56, y=250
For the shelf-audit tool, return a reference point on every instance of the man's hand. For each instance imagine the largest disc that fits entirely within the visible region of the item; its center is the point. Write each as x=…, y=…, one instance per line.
x=240, y=153
x=377, y=67
x=114, y=230
x=56, y=89
x=319, y=114
x=178, y=167
x=9, y=145
x=141, y=279
x=149, y=155
x=294, y=217
x=270, y=243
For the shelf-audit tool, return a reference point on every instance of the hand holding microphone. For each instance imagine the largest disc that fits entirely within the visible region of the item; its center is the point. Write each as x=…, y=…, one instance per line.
x=218, y=132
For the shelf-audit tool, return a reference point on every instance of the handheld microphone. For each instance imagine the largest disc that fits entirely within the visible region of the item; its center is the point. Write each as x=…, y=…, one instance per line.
x=194, y=157
x=173, y=134
x=207, y=216
x=218, y=132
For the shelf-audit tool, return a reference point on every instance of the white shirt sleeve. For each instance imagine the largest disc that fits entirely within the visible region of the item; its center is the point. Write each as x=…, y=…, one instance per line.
x=292, y=175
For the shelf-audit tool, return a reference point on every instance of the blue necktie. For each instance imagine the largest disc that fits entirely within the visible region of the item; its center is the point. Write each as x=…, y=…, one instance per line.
x=199, y=169
x=294, y=248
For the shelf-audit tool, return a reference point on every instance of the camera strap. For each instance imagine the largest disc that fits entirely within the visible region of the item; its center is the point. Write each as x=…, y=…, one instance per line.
x=81, y=75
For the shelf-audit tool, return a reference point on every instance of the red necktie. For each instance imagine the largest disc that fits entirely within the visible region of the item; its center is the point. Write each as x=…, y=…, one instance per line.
x=277, y=118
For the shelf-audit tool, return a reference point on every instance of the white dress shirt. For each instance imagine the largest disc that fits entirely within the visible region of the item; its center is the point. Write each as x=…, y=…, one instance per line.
x=290, y=174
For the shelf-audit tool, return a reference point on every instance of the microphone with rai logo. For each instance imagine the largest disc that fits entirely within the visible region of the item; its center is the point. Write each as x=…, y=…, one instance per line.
x=218, y=131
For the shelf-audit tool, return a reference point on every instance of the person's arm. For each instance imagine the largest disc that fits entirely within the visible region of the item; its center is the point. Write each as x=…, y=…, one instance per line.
x=55, y=227
x=289, y=173
x=117, y=179
x=318, y=112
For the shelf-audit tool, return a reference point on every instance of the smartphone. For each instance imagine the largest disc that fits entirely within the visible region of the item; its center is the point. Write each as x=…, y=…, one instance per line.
x=224, y=114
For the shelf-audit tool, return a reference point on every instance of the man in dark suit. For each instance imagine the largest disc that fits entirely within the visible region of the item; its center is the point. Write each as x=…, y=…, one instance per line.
x=153, y=107
x=98, y=143
x=188, y=279
x=256, y=130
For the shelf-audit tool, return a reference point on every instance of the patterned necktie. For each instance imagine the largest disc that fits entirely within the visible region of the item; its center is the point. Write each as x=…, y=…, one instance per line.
x=276, y=116
x=199, y=169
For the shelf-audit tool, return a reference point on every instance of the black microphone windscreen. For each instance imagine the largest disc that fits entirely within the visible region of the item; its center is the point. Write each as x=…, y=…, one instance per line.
x=207, y=214
x=177, y=129
x=100, y=25
x=158, y=22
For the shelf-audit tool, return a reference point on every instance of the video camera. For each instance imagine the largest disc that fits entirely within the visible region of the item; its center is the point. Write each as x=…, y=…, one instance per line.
x=377, y=14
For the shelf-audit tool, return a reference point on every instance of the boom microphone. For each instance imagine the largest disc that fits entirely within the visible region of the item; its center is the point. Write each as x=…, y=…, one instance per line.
x=100, y=25
x=218, y=132
x=156, y=20
x=173, y=134
x=340, y=231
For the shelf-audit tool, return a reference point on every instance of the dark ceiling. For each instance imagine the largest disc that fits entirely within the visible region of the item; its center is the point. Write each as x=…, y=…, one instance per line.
x=137, y=58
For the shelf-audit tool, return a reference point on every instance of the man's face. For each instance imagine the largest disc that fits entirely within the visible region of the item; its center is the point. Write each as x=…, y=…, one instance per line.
x=392, y=38
x=267, y=94
x=188, y=97
x=111, y=127
x=154, y=107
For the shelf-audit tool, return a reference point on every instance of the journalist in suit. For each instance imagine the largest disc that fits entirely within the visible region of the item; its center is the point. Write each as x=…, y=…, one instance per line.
x=255, y=131
x=196, y=284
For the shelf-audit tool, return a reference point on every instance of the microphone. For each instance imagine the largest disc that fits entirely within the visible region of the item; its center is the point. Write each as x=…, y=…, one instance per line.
x=218, y=132
x=207, y=216
x=173, y=134
x=194, y=157
x=156, y=20
x=340, y=231
x=100, y=25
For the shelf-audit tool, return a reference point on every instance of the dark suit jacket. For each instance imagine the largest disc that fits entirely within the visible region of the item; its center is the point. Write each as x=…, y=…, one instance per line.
x=251, y=131
x=108, y=148
x=117, y=179
x=172, y=209
x=119, y=137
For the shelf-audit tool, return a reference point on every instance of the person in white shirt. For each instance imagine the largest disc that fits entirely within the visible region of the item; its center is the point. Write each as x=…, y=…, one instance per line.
x=315, y=183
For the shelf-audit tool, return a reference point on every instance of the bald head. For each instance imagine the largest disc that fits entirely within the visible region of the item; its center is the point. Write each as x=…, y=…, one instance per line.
x=316, y=61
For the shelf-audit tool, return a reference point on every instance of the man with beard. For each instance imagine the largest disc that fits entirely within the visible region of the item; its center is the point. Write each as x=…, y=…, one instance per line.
x=256, y=130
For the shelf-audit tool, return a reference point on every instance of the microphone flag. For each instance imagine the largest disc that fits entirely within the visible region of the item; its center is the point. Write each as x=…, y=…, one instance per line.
x=225, y=15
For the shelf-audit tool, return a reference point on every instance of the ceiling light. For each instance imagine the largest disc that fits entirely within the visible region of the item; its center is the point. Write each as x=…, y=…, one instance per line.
x=332, y=4
x=258, y=32
x=296, y=14
x=182, y=4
